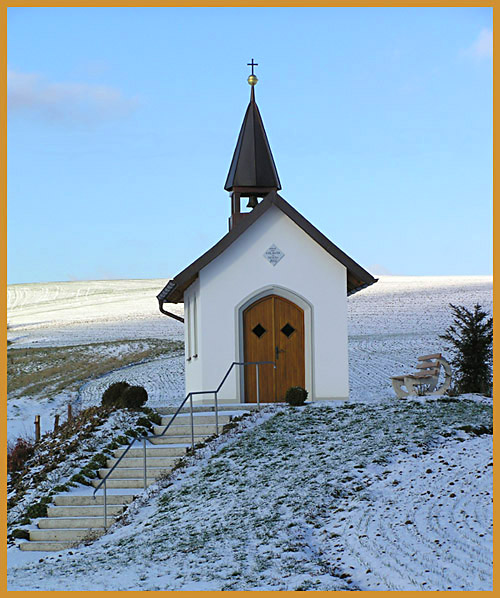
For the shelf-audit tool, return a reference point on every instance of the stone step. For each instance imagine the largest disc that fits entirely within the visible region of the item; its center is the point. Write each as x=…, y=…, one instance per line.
x=121, y=483
x=139, y=461
x=51, y=535
x=178, y=439
x=74, y=522
x=185, y=430
x=83, y=511
x=45, y=546
x=132, y=473
x=67, y=500
x=209, y=407
x=167, y=451
x=185, y=419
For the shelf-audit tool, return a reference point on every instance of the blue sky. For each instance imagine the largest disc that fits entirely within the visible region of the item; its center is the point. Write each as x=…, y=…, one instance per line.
x=122, y=124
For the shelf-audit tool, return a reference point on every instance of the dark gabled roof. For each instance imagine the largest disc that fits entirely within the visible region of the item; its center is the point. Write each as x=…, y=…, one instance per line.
x=357, y=277
x=253, y=164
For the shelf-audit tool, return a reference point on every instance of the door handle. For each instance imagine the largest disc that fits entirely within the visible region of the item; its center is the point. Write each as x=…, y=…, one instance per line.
x=278, y=351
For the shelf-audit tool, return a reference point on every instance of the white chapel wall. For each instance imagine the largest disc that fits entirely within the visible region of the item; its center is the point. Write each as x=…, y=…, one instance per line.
x=240, y=271
x=192, y=333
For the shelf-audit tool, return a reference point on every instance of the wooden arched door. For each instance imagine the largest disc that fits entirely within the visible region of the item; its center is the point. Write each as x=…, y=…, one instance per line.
x=273, y=329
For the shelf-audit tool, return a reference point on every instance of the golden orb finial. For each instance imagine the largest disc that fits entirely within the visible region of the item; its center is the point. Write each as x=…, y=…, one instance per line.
x=252, y=79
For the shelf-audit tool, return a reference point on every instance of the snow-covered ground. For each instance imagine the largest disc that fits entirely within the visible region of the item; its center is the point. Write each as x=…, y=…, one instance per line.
x=390, y=495
x=428, y=524
x=281, y=530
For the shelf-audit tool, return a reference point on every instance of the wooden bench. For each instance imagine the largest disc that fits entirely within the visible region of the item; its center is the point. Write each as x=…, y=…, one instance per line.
x=425, y=381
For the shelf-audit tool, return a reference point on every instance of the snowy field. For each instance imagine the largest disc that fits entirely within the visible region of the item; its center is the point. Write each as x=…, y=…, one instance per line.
x=72, y=313
x=447, y=543
x=391, y=323
x=399, y=318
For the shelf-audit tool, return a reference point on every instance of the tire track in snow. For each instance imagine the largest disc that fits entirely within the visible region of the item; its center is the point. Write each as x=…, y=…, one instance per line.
x=432, y=531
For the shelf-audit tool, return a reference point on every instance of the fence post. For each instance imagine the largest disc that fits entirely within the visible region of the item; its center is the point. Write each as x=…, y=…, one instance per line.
x=56, y=422
x=70, y=412
x=37, y=428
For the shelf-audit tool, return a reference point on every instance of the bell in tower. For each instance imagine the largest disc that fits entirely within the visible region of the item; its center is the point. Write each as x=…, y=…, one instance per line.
x=252, y=201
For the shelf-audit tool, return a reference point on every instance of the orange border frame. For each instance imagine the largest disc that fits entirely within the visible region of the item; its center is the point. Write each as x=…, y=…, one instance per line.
x=3, y=226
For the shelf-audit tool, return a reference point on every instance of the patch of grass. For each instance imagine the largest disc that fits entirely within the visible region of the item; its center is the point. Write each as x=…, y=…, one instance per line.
x=477, y=430
x=50, y=370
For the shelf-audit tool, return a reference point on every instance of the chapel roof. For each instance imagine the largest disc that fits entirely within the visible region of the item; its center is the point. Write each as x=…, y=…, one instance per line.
x=357, y=277
x=253, y=163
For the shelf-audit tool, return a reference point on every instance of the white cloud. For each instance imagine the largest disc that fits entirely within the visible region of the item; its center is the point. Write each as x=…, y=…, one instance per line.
x=483, y=46
x=33, y=93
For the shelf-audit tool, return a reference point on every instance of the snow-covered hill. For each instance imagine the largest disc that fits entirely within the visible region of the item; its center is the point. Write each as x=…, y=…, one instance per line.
x=71, y=313
x=387, y=496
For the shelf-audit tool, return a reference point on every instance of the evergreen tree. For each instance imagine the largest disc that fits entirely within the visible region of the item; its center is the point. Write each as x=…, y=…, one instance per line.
x=471, y=338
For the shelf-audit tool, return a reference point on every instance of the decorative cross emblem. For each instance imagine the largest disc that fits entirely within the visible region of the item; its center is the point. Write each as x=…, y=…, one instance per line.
x=252, y=64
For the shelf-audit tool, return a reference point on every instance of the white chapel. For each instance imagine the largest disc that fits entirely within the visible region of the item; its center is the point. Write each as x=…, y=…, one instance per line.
x=273, y=289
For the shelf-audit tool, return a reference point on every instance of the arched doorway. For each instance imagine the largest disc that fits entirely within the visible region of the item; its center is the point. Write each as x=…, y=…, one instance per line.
x=273, y=330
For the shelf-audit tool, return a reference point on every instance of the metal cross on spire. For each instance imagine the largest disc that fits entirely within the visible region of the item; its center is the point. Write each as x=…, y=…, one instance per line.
x=252, y=64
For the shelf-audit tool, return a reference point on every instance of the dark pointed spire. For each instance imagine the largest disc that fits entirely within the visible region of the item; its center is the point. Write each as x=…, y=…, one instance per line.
x=253, y=164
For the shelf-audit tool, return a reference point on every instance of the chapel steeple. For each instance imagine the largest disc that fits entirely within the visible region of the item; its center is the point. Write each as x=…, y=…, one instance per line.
x=252, y=172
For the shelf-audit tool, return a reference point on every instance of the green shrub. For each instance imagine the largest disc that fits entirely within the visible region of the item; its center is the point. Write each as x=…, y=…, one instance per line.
x=79, y=478
x=144, y=422
x=296, y=395
x=134, y=397
x=113, y=394
x=38, y=509
x=152, y=415
x=22, y=534
x=133, y=433
x=99, y=460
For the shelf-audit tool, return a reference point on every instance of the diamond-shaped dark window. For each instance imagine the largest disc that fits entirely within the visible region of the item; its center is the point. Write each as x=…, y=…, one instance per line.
x=258, y=330
x=287, y=330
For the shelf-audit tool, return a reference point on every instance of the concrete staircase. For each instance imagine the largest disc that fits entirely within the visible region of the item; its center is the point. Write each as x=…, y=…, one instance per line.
x=77, y=517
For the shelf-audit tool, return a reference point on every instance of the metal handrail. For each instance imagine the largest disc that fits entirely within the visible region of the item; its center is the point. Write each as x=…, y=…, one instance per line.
x=190, y=397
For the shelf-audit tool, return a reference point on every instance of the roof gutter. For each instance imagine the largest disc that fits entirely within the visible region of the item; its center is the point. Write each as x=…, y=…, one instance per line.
x=169, y=313
x=360, y=288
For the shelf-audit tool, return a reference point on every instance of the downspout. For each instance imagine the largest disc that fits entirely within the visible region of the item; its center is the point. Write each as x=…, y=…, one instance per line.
x=169, y=313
